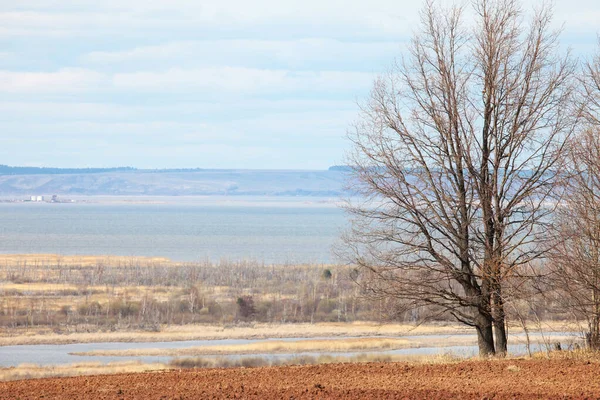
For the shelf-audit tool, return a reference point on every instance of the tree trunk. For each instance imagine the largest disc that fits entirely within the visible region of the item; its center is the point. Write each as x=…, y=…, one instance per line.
x=499, y=319
x=485, y=335
x=482, y=316
x=500, y=328
x=593, y=337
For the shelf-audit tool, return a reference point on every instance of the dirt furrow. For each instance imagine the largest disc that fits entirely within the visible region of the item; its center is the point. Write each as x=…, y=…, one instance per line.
x=523, y=379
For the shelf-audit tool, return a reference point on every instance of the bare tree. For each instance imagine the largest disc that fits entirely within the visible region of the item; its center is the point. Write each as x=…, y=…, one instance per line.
x=576, y=256
x=591, y=85
x=455, y=155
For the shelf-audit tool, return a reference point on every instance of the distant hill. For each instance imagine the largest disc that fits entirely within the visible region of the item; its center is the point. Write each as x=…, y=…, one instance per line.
x=342, y=168
x=169, y=182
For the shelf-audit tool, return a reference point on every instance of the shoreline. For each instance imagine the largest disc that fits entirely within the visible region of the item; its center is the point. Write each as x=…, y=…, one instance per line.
x=201, y=200
x=256, y=331
x=176, y=333
x=344, y=345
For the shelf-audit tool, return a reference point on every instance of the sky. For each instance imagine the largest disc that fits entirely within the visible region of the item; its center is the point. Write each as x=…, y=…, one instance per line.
x=263, y=84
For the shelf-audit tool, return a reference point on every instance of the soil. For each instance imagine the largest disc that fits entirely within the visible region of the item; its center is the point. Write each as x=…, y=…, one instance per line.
x=506, y=379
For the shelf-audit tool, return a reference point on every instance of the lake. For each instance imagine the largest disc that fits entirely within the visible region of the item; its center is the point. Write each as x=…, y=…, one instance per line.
x=269, y=229
x=11, y=356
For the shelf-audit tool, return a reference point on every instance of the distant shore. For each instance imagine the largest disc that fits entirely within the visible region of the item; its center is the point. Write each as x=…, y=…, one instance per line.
x=199, y=200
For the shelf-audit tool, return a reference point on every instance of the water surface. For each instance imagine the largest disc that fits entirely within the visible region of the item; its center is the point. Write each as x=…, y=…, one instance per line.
x=272, y=230
x=59, y=354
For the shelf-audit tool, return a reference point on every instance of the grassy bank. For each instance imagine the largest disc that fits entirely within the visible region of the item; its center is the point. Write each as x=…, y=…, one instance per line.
x=242, y=331
x=325, y=346
x=271, y=347
x=53, y=299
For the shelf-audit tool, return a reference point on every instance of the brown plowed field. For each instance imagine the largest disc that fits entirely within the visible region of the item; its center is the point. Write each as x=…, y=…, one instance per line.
x=522, y=379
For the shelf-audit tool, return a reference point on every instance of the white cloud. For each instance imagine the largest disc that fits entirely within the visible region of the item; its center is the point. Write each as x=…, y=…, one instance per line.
x=220, y=81
x=212, y=81
x=349, y=18
x=63, y=80
x=249, y=128
x=287, y=139
x=173, y=111
x=243, y=80
x=34, y=23
x=177, y=79
x=302, y=53
x=143, y=53
x=352, y=18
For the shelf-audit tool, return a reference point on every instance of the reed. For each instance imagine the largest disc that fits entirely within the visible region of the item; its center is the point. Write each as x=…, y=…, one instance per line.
x=270, y=347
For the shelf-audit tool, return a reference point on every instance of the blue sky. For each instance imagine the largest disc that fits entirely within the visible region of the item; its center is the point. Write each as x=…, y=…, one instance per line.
x=209, y=84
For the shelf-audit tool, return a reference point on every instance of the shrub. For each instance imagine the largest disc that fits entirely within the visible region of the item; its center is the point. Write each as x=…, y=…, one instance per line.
x=65, y=310
x=124, y=308
x=89, y=308
x=246, y=306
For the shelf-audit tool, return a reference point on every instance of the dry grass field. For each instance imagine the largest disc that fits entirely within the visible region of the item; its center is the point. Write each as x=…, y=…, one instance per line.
x=67, y=299
x=215, y=332
x=67, y=294
x=174, y=333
